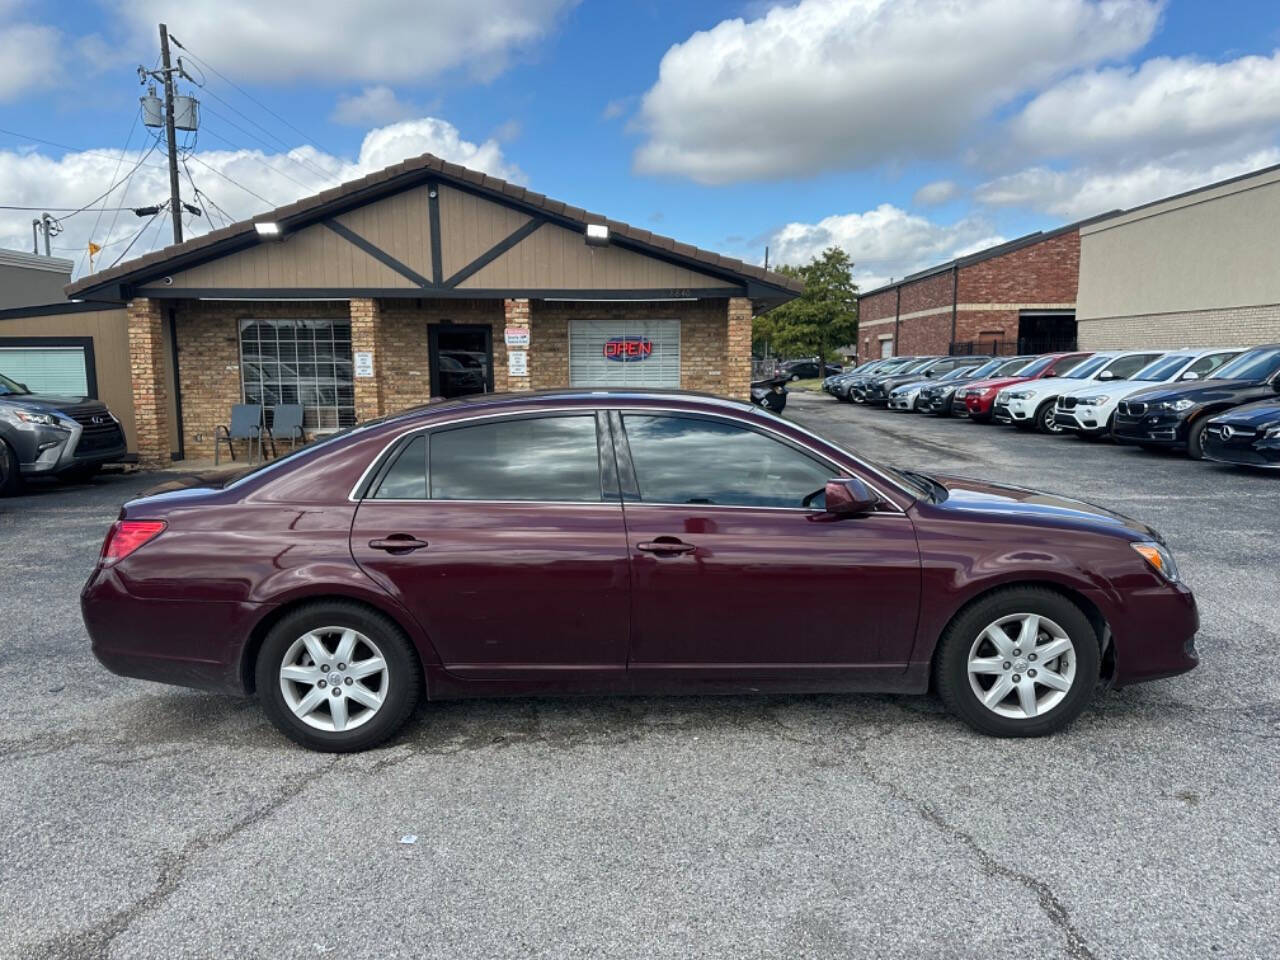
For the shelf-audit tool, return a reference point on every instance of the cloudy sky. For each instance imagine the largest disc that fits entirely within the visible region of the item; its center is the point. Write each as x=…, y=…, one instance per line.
x=907, y=131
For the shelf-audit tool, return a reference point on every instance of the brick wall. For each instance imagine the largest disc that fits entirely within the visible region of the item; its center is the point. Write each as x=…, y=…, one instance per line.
x=406, y=363
x=150, y=384
x=1228, y=327
x=1044, y=272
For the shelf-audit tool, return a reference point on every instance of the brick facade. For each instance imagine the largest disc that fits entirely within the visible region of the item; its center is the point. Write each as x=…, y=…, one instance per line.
x=150, y=384
x=988, y=296
x=1226, y=327
x=715, y=351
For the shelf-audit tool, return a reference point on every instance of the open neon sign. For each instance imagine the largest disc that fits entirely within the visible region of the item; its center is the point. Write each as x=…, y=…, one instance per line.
x=628, y=349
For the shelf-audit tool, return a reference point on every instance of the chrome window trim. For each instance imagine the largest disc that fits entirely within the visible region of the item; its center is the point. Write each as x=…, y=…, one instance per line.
x=764, y=425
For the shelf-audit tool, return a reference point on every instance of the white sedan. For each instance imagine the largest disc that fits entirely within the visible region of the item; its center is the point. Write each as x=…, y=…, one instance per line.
x=1031, y=404
x=1087, y=411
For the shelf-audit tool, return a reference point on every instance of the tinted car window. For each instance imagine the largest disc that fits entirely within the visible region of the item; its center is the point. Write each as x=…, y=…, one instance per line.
x=1088, y=368
x=1254, y=365
x=1206, y=365
x=1162, y=369
x=539, y=458
x=406, y=479
x=1037, y=366
x=1126, y=367
x=1069, y=363
x=688, y=460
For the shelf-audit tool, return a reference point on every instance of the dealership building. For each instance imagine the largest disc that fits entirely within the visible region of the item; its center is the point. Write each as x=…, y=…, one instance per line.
x=425, y=279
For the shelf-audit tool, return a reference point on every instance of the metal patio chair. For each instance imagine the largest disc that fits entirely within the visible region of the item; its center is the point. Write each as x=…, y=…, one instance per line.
x=286, y=424
x=246, y=424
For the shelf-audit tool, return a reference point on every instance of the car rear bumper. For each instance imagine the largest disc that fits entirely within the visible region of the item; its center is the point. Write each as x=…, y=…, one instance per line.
x=1154, y=633
x=136, y=637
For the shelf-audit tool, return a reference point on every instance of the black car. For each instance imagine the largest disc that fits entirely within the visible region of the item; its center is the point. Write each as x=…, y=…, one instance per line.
x=848, y=386
x=880, y=387
x=1248, y=434
x=64, y=437
x=1178, y=414
x=860, y=387
x=806, y=369
x=936, y=398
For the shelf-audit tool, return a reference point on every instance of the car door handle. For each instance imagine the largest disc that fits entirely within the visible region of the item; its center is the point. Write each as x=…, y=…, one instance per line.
x=666, y=545
x=398, y=543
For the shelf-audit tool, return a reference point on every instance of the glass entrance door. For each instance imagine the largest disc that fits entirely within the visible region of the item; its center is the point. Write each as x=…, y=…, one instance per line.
x=461, y=359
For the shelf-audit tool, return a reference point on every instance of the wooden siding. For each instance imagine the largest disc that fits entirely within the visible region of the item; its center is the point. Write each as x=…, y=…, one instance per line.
x=109, y=330
x=313, y=257
x=469, y=226
x=553, y=258
x=398, y=225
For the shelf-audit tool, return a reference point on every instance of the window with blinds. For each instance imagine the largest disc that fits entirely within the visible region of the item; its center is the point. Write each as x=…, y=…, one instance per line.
x=60, y=371
x=624, y=353
x=300, y=361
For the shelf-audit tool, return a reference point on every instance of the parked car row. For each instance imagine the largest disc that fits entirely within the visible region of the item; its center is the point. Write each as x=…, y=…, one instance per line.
x=1217, y=403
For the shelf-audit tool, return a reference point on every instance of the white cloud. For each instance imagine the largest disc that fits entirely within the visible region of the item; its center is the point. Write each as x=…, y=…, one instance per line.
x=1087, y=191
x=376, y=41
x=1165, y=104
x=373, y=106
x=936, y=194
x=885, y=242
x=31, y=178
x=837, y=84
x=29, y=57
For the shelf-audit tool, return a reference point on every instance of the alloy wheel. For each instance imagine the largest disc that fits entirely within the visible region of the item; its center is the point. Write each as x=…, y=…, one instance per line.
x=1022, y=666
x=334, y=679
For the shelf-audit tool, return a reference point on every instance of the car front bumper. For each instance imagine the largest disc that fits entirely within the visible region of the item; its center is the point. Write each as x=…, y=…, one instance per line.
x=1245, y=446
x=903, y=401
x=1013, y=411
x=59, y=449
x=1151, y=429
x=1081, y=419
x=1154, y=634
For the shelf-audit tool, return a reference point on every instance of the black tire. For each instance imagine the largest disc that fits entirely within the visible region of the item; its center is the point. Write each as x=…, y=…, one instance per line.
x=1044, y=418
x=403, y=675
x=1195, y=439
x=10, y=475
x=794, y=376
x=951, y=672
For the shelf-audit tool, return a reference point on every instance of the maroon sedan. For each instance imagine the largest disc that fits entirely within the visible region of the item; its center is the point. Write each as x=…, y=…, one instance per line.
x=625, y=542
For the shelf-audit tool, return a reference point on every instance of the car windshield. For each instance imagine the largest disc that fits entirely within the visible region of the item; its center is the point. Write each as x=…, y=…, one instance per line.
x=956, y=374
x=1036, y=366
x=1008, y=368
x=1088, y=368
x=991, y=366
x=10, y=387
x=915, y=365
x=1164, y=368
x=1254, y=365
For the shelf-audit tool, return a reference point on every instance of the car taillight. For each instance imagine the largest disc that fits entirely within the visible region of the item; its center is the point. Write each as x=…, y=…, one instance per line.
x=126, y=536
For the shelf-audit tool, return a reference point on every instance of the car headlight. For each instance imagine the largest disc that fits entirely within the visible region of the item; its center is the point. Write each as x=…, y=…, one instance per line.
x=1177, y=406
x=1095, y=401
x=1272, y=432
x=1020, y=395
x=44, y=419
x=1158, y=557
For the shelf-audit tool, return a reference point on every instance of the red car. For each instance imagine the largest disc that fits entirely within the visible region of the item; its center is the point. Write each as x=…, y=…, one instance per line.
x=978, y=397
x=624, y=542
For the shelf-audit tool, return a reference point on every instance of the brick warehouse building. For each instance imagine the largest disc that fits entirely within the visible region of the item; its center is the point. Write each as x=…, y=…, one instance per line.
x=424, y=279
x=1019, y=297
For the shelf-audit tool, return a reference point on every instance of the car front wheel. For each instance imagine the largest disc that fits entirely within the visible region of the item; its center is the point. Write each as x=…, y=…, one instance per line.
x=10, y=476
x=337, y=677
x=1045, y=422
x=1022, y=662
x=1195, y=439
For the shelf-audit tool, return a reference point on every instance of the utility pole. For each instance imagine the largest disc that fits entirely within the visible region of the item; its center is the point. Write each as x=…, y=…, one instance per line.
x=175, y=201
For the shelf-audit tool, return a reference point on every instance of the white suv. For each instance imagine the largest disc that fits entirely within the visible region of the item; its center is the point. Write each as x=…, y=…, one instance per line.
x=1087, y=411
x=1031, y=404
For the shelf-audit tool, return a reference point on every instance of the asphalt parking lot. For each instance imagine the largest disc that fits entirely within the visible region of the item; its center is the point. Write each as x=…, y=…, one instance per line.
x=147, y=821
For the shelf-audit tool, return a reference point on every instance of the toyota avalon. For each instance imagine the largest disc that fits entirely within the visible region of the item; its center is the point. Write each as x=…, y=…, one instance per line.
x=625, y=542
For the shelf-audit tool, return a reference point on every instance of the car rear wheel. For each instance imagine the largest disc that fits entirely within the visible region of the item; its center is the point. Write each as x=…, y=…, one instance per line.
x=337, y=677
x=1022, y=662
x=1045, y=422
x=10, y=475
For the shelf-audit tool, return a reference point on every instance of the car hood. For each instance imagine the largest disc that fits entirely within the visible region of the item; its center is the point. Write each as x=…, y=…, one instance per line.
x=1205, y=391
x=997, y=383
x=1111, y=388
x=969, y=498
x=1258, y=414
x=47, y=403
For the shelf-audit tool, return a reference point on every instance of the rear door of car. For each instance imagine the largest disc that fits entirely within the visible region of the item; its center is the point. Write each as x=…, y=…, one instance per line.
x=505, y=538
x=737, y=580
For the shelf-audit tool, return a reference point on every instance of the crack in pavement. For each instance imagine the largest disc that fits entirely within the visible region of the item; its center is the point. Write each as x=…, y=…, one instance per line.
x=96, y=940
x=1050, y=905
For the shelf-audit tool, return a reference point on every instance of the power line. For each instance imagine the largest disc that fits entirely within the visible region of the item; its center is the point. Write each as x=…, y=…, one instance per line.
x=233, y=182
x=109, y=189
x=98, y=219
x=64, y=146
x=214, y=70
x=141, y=229
x=307, y=164
x=68, y=210
x=251, y=154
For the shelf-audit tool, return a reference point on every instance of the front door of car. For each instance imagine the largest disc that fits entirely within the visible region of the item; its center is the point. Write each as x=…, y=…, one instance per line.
x=505, y=539
x=739, y=575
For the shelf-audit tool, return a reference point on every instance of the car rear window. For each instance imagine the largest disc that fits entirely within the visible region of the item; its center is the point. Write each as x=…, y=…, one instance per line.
x=532, y=458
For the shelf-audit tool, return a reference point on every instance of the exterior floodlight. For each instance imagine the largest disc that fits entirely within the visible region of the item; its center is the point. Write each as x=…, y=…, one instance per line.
x=268, y=230
x=597, y=234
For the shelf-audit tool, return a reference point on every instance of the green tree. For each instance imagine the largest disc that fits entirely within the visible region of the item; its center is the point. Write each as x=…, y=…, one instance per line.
x=823, y=318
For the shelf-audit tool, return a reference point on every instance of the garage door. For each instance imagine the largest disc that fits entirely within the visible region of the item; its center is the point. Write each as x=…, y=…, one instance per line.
x=56, y=370
x=624, y=353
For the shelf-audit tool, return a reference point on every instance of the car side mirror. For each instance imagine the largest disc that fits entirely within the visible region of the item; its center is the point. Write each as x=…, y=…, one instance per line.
x=1051, y=373
x=1106, y=375
x=1189, y=376
x=849, y=497
x=24, y=387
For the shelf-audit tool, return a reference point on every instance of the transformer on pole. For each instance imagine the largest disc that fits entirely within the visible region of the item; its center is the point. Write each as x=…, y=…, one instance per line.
x=174, y=112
